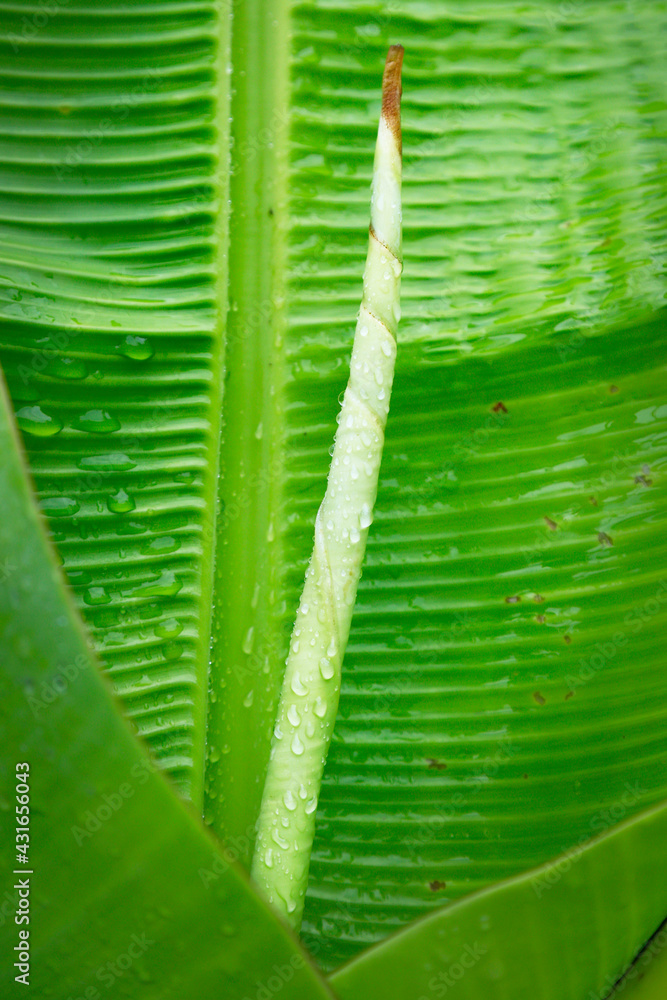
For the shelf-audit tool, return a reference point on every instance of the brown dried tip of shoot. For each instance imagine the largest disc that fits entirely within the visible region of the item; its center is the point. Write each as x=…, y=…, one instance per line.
x=391, y=92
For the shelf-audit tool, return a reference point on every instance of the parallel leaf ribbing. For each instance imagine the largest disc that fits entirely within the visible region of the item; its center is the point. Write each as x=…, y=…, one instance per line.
x=533, y=198
x=112, y=219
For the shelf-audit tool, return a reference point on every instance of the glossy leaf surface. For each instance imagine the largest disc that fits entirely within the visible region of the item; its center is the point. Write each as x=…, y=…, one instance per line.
x=504, y=687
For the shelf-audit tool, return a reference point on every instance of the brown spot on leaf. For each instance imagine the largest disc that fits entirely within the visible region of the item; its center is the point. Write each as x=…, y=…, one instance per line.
x=540, y=618
x=436, y=765
x=570, y=694
x=604, y=539
x=593, y=501
x=643, y=480
x=613, y=388
x=539, y=698
x=538, y=598
x=514, y=599
x=525, y=775
x=550, y=524
x=568, y=639
x=435, y=885
x=499, y=407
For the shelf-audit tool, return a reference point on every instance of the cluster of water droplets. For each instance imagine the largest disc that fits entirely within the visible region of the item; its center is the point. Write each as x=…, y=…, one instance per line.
x=134, y=608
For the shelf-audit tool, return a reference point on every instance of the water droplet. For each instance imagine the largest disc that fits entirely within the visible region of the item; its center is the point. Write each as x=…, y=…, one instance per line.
x=268, y=858
x=280, y=841
x=311, y=805
x=169, y=628
x=366, y=516
x=137, y=348
x=249, y=641
x=114, y=461
x=331, y=648
x=162, y=545
x=320, y=708
x=259, y=433
x=67, y=368
x=354, y=536
x=290, y=800
x=297, y=745
x=303, y=794
x=293, y=716
x=96, y=595
x=310, y=729
x=363, y=331
x=297, y=687
x=120, y=502
x=168, y=585
x=270, y=534
x=277, y=732
x=295, y=646
x=173, y=651
x=59, y=506
x=96, y=422
x=326, y=668
x=33, y=420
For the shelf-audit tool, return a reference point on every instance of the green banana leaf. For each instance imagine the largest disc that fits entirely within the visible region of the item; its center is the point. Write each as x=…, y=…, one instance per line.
x=646, y=979
x=89, y=852
x=123, y=889
x=551, y=932
x=504, y=687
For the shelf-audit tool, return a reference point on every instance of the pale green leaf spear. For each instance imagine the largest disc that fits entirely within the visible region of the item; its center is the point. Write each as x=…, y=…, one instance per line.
x=311, y=685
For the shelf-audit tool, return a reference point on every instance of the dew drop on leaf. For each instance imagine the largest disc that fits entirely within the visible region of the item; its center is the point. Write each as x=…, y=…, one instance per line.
x=120, y=502
x=96, y=422
x=137, y=348
x=95, y=596
x=59, y=506
x=33, y=420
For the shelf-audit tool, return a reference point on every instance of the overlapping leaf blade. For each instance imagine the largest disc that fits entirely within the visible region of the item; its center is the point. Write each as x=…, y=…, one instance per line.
x=562, y=930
